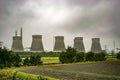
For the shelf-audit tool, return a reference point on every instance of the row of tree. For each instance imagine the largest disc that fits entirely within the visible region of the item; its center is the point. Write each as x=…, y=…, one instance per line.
x=7, y=59
x=71, y=55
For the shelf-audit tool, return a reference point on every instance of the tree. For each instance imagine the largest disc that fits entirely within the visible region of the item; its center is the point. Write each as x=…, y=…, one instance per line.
x=5, y=58
x=35, y=60
x=26, y=61
x=90, y=56
x=99, y=56
x=79, y=57
x=68, y=56
x=118, y=55
x=17, y=60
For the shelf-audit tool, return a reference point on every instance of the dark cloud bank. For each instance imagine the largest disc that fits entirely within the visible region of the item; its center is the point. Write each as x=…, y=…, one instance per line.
x=93, y=18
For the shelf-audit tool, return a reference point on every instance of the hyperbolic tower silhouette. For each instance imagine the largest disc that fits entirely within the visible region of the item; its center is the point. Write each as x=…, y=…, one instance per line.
x=17, y=44
x=37, y=44
x=59, y=44
x=78, y=44
x=96, y=46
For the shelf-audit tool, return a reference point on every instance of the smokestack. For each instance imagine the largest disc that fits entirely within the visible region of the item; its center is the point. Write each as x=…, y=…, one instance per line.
x=78, y=44
x=59, y=44
x=16, y=33
x=37, y=44
x=21, y=32
x=96, y=46
x=17, y=43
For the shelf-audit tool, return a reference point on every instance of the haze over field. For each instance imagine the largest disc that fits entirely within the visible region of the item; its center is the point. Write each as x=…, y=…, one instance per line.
x=68, y=18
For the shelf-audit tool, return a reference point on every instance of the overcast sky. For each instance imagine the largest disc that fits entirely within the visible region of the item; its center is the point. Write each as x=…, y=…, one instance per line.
x=68, y=18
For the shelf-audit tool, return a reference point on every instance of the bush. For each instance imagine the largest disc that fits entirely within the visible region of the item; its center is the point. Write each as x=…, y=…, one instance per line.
x=17, y=60
x=68, y=56
x=7, y=59
x=79, y=57
x=118, y=55
x=99, y=56
x=26, y=61
x=35, y=60
x=89, y=56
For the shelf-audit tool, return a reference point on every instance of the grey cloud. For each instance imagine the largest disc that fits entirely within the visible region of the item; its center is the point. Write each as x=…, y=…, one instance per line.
x=90, y=17
x=101, y=15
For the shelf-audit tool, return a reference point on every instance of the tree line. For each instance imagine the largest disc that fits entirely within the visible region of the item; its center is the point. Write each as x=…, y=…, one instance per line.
x=71, y=56
x=8, y=59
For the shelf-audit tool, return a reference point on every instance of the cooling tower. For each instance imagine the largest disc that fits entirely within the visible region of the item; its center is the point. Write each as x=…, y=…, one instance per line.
x=96, y=46
x=59, y=44
x=78, y=44
x=17, y=43
x=37, y=44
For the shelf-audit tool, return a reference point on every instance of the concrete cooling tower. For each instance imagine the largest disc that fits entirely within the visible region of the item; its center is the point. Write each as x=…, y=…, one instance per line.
x=78, y=44
x=96, y=46
x=37, y=44
x=59, y=44
x=17, y=44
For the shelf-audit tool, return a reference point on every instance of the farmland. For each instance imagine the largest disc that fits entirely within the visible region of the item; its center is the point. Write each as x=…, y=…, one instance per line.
x=108, y=70
x=50, y=60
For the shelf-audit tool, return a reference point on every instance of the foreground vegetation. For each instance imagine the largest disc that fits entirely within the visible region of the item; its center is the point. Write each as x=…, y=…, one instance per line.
x=84, y=66
x=10, y=74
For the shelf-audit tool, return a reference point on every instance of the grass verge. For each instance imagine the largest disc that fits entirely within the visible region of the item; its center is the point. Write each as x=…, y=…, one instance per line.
x=8, y=74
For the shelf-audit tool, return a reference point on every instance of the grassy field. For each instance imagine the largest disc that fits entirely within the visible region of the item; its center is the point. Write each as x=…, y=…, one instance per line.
x=107, y=70
x=50, y=60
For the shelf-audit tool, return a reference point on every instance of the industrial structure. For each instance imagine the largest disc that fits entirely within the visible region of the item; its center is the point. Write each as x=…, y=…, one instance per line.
x=78, y=44
x=37, y=44
x=1, y=44
x=96, y=46
x=59, y=44
x=17, y=44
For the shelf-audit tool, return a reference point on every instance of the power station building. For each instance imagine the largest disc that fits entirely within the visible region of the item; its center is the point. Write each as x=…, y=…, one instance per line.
x=37, y=44
x=78, y=44
x=59, y=44
x=17, y=44
x=96, y=46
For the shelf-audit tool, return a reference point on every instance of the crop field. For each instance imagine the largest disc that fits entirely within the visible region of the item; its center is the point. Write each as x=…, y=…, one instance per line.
x=108, y=70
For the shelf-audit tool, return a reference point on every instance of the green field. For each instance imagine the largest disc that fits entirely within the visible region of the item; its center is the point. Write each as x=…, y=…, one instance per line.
x=50, y=60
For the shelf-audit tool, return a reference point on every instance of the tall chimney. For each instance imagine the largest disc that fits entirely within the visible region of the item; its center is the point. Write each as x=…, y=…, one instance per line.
x=78, y=44
x=21, y=32
x=16, y=33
